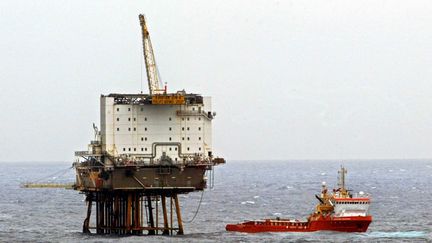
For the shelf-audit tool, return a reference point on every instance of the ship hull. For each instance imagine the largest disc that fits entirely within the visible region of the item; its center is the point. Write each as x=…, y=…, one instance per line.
x=342, y=224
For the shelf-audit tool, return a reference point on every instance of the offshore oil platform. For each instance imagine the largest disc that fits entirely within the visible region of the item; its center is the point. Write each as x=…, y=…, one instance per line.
x=149, y=149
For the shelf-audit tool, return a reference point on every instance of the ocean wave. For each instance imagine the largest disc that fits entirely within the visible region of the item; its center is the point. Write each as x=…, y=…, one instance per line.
x=397, y=234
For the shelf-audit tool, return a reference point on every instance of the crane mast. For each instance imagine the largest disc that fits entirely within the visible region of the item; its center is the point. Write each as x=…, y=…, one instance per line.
x=153, y=79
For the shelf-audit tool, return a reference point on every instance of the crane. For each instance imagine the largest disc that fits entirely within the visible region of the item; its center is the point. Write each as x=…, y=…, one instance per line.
x=154, y=82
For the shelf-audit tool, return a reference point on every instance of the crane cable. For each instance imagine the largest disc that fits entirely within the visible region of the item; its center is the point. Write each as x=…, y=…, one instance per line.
x=58, y=173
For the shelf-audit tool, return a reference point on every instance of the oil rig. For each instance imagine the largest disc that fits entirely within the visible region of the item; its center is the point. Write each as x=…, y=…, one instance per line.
x=149, y=149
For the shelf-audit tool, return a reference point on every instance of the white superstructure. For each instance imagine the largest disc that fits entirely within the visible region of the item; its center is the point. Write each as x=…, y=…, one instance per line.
x=141, y=131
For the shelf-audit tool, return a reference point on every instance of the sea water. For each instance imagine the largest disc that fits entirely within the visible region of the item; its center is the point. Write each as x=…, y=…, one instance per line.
x=401, y=194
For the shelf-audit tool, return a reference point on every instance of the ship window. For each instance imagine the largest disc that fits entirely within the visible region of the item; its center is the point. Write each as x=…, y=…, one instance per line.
x=145, y=149
x=175, y=149
x=145, y=138
x=199, y=148
x=118, y=119
x=182, y=138
x=170, y=128
x=129, y=119
x=188, y=148
x=142, y=149
x=199, y=128
x=199, y=138
x=170, y=149
x=134, y=128
x=124, y=149
x=129, y=128
x=129, y=149
x=188, y=128
x=182, y=128
x=118, y=129
x=142, y=139
x=145, y=128
x=188, y=118
x=170, y=138
x=188, y=138
x=134, y=149
x=118, y=109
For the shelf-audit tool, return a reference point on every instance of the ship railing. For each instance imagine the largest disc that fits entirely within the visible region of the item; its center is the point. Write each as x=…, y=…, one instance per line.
x=207, y=115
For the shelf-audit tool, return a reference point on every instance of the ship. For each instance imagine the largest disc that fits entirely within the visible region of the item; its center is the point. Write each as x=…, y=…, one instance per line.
x=339, y=210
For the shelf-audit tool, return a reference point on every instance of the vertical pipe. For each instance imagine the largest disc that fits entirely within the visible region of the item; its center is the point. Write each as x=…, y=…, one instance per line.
x=179, y=218
x=157, y=215
x=128, y=212
x=165, y=216
x=171, y=215
x=150, y=210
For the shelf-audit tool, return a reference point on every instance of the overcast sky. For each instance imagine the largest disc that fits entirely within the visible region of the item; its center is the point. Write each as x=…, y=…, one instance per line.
x=289, y=79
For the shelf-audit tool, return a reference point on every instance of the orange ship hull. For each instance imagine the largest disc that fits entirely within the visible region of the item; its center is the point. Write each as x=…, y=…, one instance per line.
x=343, y=224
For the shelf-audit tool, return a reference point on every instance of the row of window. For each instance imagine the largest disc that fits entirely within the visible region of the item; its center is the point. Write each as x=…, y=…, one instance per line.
x=352, y=202
x=145, y=149
x=170, y=139
x=145, y=129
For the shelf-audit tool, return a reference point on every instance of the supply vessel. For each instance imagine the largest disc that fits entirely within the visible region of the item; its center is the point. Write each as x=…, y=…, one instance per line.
x=336, y=211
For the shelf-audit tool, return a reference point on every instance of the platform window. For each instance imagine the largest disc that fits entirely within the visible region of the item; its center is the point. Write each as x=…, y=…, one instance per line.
x=188, y=138
x=188, y=148
x=118, y=109
x=182, y=128
x=134, y=118
x=134, y=128
x=199, y=128
x=118, y=119
x=199, y=118
x=183, y=119
x=128, y=109
x=142, y=109
x=145, y=149
x=129, y=119
x=145, y=128
x=170, y=149
x=175, y=148
x=170, y=128
x=145, y=118
x=145, y=138
x=129, y=149
x=188, y=128
x=118, y=129
x=199, y=138
x=124, y=149
x=142, y=139
x=199, y=148
x=193, y=108
x=142, y=149
x=183, y=138
x=129, y=129
x=188, y=118
x=170, y=138
x=169, y=118
x=134, y=149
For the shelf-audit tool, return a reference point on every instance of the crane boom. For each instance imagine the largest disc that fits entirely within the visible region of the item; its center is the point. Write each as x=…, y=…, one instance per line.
x=153, y=79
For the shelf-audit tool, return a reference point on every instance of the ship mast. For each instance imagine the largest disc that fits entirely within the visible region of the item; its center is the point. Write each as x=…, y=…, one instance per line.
x=153, y=79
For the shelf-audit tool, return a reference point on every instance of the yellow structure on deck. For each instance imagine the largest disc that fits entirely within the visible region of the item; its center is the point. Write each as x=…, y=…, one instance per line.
x=168, y=99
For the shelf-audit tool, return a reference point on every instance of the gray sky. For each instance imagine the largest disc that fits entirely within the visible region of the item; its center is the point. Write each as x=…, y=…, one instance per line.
x=289, y=79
